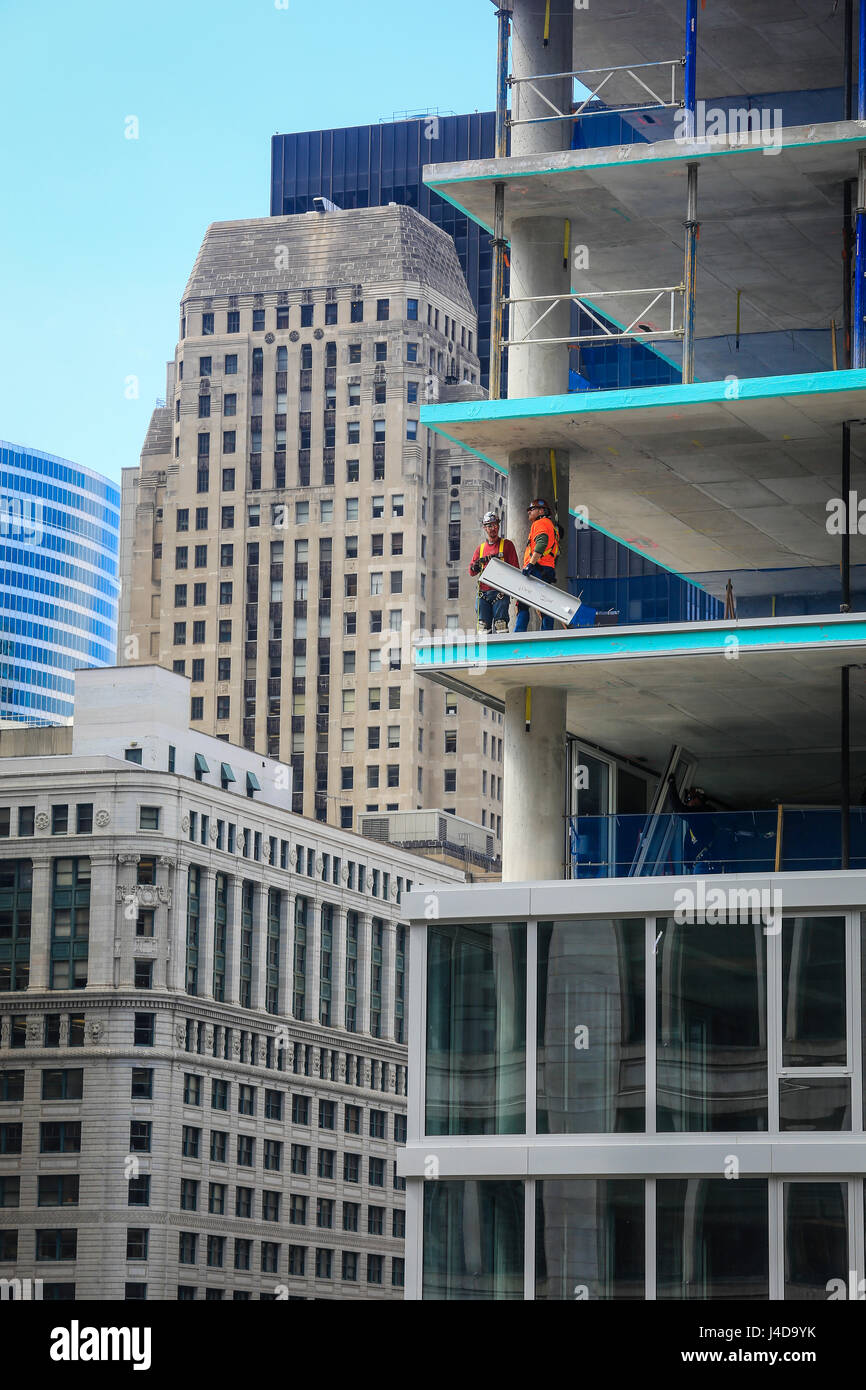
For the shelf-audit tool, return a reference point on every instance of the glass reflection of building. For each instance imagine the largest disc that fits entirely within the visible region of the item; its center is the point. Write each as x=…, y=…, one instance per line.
x=59, y=587
x=756, y=1036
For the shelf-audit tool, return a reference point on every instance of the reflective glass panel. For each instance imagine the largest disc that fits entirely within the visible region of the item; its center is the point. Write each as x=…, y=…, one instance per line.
x=814, y=1103
x=589, y=1238
x=476, y=1029
x=711, y=1027
x=473, y=1240
x=816, y=1238
x=813, y=992
x=712, y=1238
x=591, y=1027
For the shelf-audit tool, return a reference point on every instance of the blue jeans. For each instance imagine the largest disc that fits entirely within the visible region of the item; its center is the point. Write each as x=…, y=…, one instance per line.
x=493, y=607
x=547, y=573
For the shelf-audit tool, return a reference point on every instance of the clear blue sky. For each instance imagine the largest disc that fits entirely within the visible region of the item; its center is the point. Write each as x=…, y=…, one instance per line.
x=98, y=232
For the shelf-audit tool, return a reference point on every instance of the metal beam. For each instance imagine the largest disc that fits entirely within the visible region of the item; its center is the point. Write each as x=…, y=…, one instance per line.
x=691, y=64
x=845, y=605
x=845, y=769
x=497, y=307
x=692, y=228
x=503, y=17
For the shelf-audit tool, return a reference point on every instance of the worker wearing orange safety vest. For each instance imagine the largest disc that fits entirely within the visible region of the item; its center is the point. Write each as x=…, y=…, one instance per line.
x=539, y=557
x=492, y=606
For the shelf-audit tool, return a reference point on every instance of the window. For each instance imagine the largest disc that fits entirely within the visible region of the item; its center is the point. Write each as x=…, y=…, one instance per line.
x=300, y=1159
x=246, y=1151
x=136, y=1242
x=58, y=1244
x=352, y=1119
x=231, y=364
x=61, y=1137
x=246, y=1100
x=191, y=1089
x=218, y=1146
x=138, y=1191
x=351, y=1167
x=378, y=1119
x=270, y=1206
x=377, y=1172
x=84, y=818
x=190, y=1141
x=273, y=1105
x=350, y=1266
x=244, y=1201
x=356, y=314
x=411, y=352
x=206, y=324
x=272, y=1160
x=187, y=1248
x=411, y=429
x=297, y=1209
x=243, y=1253
x=62, y=1084
x=53, y=1190
x=141, y=1085
x=148, y=818
x=300, y=1110
x=326, y=1162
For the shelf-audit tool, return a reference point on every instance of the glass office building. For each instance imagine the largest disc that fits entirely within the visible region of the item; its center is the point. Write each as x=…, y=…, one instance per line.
x=59, y=586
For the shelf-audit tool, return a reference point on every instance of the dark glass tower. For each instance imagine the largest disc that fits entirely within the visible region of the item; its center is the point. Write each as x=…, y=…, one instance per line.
x=372, y=165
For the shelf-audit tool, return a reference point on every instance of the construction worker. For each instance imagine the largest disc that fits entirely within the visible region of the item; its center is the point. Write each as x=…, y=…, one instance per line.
x=492, y=606
x=539, y=557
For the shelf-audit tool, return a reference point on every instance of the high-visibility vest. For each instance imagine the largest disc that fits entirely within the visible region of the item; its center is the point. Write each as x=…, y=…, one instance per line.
x=548, y=556
x=481, y=554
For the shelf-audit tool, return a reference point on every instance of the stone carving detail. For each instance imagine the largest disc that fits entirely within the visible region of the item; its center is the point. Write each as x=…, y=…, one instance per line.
x=4, y=1032
x=212, y=834
x=42, y=821
x=294, y=335
x=146, y=945
x=95, y=1030
x=320, y=864
x=184, y=825
x=128, y=858
x=143, y=895
x=208, y=1038
x=179, y=1034
x=165, y=863
x=103, y=818
x=344, y=873
x=318, y=332
x=263, y=1053
x=393, y=890
x=34, y=1029
x=236, y=1046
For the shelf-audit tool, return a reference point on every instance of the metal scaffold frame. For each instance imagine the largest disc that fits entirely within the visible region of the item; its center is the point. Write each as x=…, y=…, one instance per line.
x=658, y=102
x=632, y=331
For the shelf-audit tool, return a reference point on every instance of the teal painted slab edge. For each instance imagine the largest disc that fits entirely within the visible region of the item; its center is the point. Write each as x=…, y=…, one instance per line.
x=677, y=643
x=643, y=398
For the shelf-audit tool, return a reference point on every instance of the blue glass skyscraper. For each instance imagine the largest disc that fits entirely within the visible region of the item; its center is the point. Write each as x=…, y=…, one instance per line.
x=59, y=585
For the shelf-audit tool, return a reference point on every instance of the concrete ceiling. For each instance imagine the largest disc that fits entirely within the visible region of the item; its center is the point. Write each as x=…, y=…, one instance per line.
x=694, y=484
x=763, y=726
x=744, y=46
x=769, y=221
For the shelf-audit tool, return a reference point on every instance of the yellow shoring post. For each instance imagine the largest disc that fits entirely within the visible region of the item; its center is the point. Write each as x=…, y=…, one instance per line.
x=527, y=711
x=547, y=24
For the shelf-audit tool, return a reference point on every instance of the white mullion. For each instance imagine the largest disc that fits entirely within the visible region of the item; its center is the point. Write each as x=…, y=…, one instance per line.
x=531, y=1076
x=856, y=1217
x=776, y=1214
x=529, y=1240
x=855, y=1021
x=650, y=1240
x=650, y=934
x=774, y=1029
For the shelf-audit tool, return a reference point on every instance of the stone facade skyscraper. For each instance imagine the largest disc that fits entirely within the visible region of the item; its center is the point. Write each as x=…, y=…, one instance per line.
x=290, y=510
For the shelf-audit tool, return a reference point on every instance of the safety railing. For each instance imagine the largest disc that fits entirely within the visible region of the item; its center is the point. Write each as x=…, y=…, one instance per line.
x=787, y=839
x=652, y=99
x=637, y=329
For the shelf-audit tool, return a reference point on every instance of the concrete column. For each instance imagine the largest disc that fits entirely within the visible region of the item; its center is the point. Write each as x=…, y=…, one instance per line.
x=40, y=923
x=233, y=940
x=531, y=58
x=533, y=812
